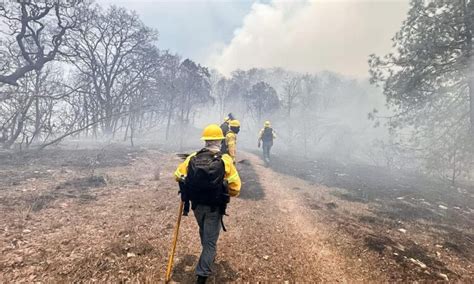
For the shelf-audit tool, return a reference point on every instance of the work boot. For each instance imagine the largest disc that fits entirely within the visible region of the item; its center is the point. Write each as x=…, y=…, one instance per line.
x=201, y=279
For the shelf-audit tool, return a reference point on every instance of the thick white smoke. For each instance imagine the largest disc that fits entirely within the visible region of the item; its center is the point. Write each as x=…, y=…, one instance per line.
x=313, y=35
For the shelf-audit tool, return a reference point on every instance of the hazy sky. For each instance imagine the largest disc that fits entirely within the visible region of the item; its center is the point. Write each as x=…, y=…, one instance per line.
x=306, y=36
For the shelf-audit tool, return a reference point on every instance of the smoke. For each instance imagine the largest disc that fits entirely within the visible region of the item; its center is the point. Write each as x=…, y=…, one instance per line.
x=312, y=36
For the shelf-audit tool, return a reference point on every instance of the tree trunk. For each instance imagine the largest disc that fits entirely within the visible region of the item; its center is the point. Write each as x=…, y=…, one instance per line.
x=168, y=124
x=108, y=120
x=127, y=128
x=453, y=177
x=305, y=137
x=37, y=131
x=468, y=14
x=181, y=135
x=19, y=129
x=132, y=131
x=471, y=102
x=38, y=114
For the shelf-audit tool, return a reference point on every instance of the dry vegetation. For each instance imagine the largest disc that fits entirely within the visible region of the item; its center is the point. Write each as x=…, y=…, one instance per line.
x=108, y=214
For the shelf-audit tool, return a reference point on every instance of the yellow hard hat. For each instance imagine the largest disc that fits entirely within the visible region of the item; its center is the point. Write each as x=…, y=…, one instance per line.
x=212, y=132
x=267, y=124
x=234, y=123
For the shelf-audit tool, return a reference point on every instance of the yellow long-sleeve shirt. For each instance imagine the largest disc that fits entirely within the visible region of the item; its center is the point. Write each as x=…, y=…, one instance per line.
x=231, y=142
x=231, y=174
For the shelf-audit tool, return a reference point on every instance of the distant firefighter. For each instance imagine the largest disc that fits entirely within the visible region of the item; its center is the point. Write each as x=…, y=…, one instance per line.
x=231, y=138
x=265, y=139
x=225, y=128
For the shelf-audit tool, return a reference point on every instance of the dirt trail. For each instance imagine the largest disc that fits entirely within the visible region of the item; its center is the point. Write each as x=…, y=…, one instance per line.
x=272, y=236
x=61, y=224
x=275, y=236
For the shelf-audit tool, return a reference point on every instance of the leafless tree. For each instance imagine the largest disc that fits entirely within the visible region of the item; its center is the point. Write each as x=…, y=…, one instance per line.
x=168, y=83
x=34, y=34
x=104, y=51
x=27, y=111
x=144, y=98
x=262, y=100
x=291, y=91
x=194, y=90
x=222, y=94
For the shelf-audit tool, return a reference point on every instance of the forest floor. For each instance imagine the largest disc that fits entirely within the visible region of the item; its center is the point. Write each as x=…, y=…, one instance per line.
x=108, y=215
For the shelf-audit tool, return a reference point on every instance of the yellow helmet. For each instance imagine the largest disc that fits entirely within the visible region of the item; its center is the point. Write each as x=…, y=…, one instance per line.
x=267, y=124
x=212, y=132
x=234, y=123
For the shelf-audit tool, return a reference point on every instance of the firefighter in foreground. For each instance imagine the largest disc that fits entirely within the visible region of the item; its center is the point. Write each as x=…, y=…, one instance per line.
x=265, y=139
x=210, y=179
x=231, y=138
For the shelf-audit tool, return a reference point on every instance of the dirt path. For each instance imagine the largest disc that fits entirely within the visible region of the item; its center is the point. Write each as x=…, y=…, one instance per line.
x=273, y=236
x=59, y=223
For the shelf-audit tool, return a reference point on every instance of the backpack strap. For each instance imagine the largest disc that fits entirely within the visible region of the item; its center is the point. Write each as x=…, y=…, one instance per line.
x=204, y=150
x=217, y=154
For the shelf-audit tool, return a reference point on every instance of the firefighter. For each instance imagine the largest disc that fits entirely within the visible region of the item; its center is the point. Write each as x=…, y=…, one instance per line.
x=225, y=128
x=265, y=139
x=210, y=179
x=231, y=138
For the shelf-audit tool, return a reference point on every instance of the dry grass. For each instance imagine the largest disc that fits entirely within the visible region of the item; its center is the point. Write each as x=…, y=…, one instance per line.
x=115, y=225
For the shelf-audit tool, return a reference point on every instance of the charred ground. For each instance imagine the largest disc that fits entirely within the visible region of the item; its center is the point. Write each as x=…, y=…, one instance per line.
x=407, y=216
x=107, y=214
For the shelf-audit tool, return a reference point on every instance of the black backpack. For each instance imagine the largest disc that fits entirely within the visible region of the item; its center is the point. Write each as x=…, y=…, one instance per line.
x=205, y=179
x=225, y=128
x=267, y=135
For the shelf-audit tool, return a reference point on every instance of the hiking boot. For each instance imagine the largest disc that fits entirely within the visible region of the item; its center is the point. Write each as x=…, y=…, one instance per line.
x=201, y=279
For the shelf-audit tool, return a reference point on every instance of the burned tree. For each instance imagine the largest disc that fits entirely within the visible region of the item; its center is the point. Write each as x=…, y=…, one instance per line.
x=262, y=100
x=220, y=91
x=104, y=51
x=35, y=31
x=193, y=90
x=144, y=98
x=167, y=84
x=27, y=111
x=291, y=92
